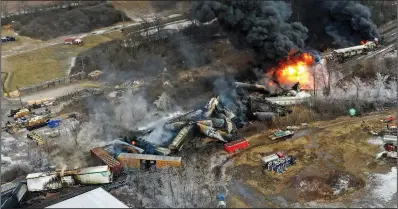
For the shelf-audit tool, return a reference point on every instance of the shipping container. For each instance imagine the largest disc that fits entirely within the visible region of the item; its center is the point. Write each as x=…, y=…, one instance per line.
x=235, y=145
x=140, y=160
x=103, y=157
x=94, y=175
x=43, y=181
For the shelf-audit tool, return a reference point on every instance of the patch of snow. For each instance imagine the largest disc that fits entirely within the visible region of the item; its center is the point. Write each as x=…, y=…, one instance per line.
x=72, y=64
x=341, y=184
x=376, y=141
x=303, y=94
x=174, y=15
x=8, y=139
x=6, y=159
x=386, y=185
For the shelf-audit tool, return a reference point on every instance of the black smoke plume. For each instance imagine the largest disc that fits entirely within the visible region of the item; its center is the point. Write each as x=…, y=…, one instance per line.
x=260, y=25
x=334, y=23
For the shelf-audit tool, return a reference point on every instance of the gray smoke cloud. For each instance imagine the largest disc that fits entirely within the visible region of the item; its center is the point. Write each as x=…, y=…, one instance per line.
x=260, y=25
x=341, y=23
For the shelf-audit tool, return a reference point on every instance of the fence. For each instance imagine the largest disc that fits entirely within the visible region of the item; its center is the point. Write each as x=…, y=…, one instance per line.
x=49, y=84
x=78, y=93
x=70, y=95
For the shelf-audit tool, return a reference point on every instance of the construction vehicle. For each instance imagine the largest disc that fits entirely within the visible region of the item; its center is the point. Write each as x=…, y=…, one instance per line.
x=36, y=122
x=281, y=134
x=11, y=128
x=36, y=137
x=21, y=113
x=13, y=112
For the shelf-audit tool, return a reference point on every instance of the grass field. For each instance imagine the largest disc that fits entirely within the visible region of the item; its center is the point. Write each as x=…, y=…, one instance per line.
x=3, y=79
x=20, y=40
x=47, y=63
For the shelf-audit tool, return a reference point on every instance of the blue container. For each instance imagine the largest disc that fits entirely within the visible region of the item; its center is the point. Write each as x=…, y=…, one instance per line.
x=54, y=123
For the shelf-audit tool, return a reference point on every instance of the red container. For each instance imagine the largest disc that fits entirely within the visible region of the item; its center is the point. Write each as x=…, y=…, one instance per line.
x=106, y=159
x=234, y=145
x=280, y=154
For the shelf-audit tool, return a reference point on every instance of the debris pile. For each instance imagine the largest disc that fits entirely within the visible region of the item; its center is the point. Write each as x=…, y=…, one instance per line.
x=218, y=120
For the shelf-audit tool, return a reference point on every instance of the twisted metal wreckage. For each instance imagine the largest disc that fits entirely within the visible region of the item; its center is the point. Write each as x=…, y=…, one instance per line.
x=219, y=119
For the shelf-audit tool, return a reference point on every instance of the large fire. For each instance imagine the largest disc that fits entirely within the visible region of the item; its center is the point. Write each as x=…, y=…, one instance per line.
x=295, y=69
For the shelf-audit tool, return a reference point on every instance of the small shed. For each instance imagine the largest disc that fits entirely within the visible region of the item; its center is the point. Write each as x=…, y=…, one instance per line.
x=97, y=198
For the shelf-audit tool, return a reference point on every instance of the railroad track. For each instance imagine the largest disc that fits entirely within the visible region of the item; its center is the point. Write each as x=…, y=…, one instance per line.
x=77, y=191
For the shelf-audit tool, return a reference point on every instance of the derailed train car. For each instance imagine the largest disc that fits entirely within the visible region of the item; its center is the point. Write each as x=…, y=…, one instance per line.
x=59, y=179
x=182, y=136
x=12, y=196
x=143, y=161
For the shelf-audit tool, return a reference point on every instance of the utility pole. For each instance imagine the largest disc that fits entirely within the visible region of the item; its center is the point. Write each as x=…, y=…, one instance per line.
x=19, y=95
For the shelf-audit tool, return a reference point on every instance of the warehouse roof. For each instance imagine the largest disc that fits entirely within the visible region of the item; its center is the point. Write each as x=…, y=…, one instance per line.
x=97, y=198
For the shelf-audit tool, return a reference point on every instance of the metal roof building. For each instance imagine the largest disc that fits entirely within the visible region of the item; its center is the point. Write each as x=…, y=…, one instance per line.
x=97, y=198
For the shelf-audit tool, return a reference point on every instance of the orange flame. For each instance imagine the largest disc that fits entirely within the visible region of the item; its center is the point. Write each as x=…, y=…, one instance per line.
x=295, y=69
x=364, y=42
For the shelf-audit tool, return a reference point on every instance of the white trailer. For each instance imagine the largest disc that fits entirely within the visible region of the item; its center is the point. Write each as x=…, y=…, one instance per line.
x=43, y=181
x=390, y=139
x=267, y=159
x=94, y=175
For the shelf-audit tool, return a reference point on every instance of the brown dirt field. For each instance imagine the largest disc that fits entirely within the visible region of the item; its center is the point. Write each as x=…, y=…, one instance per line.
x=137, y=9
x=322, y=155
x=235, y=202
x=12, y=6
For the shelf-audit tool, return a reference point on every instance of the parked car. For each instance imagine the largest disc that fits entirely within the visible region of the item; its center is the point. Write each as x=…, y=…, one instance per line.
x=7, y=39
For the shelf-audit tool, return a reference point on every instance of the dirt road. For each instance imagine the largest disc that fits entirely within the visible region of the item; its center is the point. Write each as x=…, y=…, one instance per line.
x=60, y=40
x=247, y=194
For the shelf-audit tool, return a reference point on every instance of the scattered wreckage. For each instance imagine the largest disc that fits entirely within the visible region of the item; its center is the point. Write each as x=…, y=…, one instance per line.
x=219, y=119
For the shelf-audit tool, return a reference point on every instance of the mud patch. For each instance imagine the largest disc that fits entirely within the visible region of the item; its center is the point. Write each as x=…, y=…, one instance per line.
x=330, y=185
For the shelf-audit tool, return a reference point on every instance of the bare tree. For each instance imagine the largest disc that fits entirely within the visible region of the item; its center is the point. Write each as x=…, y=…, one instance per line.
x=21, y=7
x=379, y=83
x=145, y=27
x=330, y=66
x=4, y=9
x=357, y=82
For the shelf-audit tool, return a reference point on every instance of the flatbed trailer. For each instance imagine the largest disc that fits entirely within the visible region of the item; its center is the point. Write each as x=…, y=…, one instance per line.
x=281, y=135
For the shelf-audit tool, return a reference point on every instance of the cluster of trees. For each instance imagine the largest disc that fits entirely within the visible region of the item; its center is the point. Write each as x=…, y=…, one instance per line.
x=382, y=11
x=361, y=92
x=51, y=24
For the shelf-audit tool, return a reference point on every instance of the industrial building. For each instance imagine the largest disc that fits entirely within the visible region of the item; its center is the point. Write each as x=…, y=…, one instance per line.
x=97, y=198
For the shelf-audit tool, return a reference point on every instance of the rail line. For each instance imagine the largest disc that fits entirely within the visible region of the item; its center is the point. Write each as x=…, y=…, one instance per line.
x=77, y=191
